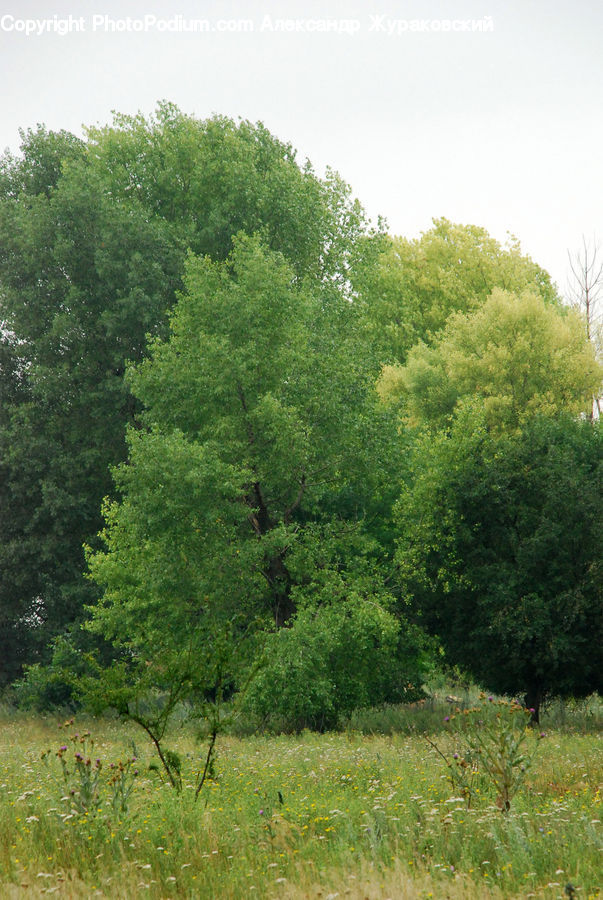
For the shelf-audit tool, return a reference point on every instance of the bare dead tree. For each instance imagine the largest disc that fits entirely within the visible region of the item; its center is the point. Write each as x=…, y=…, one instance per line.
x=585, y=290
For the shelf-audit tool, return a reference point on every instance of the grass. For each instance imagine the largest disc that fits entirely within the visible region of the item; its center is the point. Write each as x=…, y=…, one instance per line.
x=362, y=816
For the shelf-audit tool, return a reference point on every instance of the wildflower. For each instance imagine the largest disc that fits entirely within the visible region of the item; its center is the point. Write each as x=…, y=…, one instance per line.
x=261, y=813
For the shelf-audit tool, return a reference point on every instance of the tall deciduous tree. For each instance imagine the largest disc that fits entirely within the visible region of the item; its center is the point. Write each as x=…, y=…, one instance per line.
x=500, y=553
x=93, y=240
x=83, y=280
x=213, y=178
x=258, y=484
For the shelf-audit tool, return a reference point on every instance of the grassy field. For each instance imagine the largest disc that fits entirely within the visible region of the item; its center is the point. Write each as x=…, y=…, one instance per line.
x=337, y=815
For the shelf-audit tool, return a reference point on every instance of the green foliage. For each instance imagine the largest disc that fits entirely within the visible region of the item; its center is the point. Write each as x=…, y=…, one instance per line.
x=331, y=661
x=409, y=288
x=519, y=356
x=164, y=679
x=93, y=242
x=39, y=168
x=258, y=487
x=47, y=687
x=254, y=467
x=499, y=552
x=83, y=280
x=250, y=435
x=214, y=178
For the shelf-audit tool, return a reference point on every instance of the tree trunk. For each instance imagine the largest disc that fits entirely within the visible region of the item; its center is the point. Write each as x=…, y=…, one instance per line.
x=533, y=700
x=279, y=580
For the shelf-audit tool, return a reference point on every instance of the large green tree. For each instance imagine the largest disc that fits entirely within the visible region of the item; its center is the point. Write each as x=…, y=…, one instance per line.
x=261, y=482
x=93, y=240
x=500, y=552
x=82, y=281
x=213, y=178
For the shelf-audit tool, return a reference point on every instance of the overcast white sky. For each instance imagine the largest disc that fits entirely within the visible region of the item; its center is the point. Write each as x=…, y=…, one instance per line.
x=500, y=128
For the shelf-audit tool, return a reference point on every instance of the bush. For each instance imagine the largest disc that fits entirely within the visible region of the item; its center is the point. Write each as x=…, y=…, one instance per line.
x=331, y=661
x=48, y=687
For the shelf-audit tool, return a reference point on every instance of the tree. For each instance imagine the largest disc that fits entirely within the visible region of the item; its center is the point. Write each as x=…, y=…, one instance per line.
x=17, y=621
x=253, y=488
x=83, y=281
x=214, y=178
x=39, y=168
x=518, y=355
x=93, y=241
x=585, y=294
x=409, y=288
x=500, y=553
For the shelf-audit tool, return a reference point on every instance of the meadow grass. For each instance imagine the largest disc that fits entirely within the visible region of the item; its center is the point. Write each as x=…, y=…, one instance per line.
x=336, y=815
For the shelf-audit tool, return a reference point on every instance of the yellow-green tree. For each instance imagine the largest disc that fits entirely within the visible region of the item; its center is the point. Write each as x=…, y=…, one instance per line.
x=409, y=288
x=517, y=354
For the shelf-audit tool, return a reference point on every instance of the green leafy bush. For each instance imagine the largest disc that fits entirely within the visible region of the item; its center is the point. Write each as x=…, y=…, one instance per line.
x=333, y=660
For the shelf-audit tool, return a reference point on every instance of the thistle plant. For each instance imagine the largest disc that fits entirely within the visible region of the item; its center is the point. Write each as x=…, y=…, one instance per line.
x=80, y=775
x=121, y=783
x=80, y=779
x=493, y=741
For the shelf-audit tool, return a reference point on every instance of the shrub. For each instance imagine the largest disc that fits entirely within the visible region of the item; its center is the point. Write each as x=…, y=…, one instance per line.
x=332, y=661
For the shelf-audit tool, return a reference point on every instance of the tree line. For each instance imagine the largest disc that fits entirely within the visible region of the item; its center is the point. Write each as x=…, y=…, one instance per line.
x=252, y=446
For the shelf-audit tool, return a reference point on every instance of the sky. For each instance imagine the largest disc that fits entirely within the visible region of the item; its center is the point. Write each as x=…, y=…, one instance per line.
x=487, y=112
